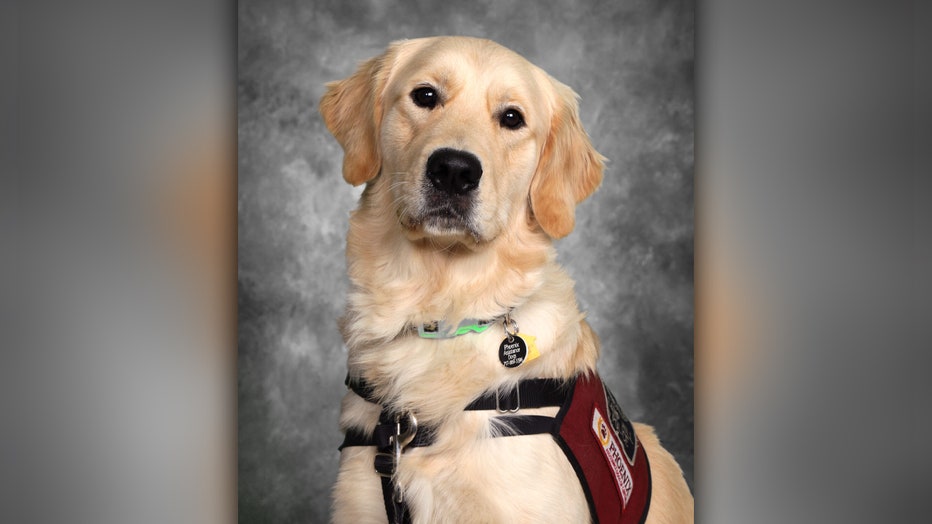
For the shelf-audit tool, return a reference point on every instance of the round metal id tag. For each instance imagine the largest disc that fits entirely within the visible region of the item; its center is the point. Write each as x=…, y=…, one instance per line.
x=513, y=351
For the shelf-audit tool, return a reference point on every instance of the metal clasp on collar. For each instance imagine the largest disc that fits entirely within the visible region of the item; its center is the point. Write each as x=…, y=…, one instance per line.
x=498, y=405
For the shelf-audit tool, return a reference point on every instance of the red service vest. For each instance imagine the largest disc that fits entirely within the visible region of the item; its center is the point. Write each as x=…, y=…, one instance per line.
x=600, y=443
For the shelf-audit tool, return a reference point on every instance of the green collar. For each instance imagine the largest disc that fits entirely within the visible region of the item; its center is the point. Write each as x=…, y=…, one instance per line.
x=440, y=329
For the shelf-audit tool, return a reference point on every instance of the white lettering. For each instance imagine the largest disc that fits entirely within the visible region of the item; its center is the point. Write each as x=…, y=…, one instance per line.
x=610, y=447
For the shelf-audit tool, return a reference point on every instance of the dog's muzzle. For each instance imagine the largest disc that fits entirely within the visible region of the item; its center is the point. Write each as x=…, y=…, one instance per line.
x=449, y=195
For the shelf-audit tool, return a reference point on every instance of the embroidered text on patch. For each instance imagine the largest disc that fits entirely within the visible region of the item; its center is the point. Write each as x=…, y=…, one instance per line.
x=613, y=454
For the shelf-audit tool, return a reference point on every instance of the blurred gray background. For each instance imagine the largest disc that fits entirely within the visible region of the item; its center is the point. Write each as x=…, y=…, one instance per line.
x=632, y=63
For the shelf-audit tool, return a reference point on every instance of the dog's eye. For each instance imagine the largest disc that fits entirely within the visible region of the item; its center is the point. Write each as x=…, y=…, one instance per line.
x=425, y=97
x=511, y=118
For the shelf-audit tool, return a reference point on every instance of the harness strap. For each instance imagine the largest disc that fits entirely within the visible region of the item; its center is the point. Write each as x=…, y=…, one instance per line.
x=397, y=512
x=361, y=388
x=512, y=426
x=517, y=425
x=381, y=437
x=529, y=394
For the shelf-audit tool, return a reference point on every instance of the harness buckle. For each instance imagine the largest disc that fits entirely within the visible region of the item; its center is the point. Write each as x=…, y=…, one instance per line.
x=387, y=463
x=508, y=409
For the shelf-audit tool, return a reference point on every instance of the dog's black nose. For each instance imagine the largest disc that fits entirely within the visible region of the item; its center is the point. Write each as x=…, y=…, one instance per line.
x=454, y=172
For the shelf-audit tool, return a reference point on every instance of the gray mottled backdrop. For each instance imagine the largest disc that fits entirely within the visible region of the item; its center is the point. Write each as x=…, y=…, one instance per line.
x=631, y=254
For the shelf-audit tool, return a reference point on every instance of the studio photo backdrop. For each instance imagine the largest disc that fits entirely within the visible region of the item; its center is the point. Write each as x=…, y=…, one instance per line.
x=631, y=254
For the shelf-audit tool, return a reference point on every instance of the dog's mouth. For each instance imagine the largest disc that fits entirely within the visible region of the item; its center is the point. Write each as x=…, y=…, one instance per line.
x=442, y=216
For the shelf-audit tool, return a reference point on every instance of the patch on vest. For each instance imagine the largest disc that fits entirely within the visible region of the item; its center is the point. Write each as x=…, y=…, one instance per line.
x=622, y=426
x=613, y=455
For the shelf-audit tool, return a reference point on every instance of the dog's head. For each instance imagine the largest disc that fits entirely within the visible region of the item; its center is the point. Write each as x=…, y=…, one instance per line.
x=466, y=134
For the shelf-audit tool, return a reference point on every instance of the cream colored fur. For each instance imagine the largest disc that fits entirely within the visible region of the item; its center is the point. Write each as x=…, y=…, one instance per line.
x=406, y=269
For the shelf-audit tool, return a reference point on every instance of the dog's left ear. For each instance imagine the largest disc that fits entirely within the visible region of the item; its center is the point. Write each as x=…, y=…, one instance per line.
x=352, y=111
x=570, y=169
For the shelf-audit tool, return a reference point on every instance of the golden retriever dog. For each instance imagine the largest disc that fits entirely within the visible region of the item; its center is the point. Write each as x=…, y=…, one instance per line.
x=466, y=345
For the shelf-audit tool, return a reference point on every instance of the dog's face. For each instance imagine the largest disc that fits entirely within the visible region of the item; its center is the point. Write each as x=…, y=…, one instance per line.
x=464, y=134
x=460, y=139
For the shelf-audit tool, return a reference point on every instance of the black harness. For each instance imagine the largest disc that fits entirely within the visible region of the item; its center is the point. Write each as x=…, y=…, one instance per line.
x=397, y=431
x=615, y=489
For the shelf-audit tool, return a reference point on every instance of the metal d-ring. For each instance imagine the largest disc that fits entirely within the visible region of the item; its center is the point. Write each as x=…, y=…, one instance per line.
x=398, y=441
x=405, y=438
x=514, y=327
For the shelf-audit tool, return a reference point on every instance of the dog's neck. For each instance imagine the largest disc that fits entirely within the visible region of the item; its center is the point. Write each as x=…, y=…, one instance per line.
x=397, y=283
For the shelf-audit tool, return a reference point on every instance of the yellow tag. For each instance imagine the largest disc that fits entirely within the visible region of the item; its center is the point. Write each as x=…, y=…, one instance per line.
x=532, y=351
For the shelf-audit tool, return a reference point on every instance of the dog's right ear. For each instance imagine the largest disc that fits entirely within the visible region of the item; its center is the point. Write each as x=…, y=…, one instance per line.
x=352, y=111
x=570, y=169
